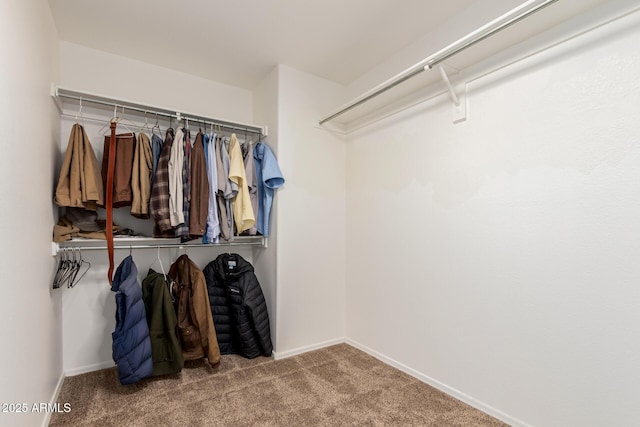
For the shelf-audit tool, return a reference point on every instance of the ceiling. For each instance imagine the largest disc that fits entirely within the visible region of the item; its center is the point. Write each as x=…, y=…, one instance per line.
x=239, y=42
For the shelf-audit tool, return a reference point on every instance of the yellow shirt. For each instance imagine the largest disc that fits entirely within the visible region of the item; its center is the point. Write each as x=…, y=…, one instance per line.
x=243, y=216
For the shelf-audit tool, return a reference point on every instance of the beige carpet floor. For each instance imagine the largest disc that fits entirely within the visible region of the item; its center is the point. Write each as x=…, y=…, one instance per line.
x=334, y=386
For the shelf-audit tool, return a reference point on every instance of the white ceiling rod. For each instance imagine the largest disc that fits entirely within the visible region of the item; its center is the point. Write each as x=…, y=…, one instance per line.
x=514, y=15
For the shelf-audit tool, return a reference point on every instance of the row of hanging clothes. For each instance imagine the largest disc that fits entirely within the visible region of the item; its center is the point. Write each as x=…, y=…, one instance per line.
x=211, y=186
x=187, y=314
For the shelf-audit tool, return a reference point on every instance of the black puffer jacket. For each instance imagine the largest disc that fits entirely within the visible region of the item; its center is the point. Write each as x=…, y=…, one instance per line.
x=238, y=307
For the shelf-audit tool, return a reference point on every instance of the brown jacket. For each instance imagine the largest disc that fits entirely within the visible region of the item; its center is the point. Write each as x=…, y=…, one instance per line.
x=196, y=331
x=80, y=183
x=125, y=149
x=199, y=207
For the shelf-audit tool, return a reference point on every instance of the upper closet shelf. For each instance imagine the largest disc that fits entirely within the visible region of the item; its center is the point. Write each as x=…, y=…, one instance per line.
x=60, y=95
x=409, y=87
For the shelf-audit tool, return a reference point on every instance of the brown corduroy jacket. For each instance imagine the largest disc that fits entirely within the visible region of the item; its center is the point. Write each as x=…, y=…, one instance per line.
x=80, y=183
x=199, y=207
x=196, y=331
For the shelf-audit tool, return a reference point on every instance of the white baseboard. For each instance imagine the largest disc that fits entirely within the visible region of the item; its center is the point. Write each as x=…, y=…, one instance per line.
x=54, y=399
x=284, y=354
x=89, y=368
x=440, y=386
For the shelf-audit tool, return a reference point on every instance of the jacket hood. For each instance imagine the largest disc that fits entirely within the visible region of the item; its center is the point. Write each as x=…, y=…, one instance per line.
x=230, y=266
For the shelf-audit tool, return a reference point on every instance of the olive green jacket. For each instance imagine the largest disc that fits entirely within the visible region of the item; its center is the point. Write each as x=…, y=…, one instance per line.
x=161, y=317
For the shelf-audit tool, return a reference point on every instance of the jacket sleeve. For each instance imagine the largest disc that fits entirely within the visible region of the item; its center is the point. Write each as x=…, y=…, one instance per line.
x=92, y=191
x=176, y=213
x=204, y=319
x=256, y=307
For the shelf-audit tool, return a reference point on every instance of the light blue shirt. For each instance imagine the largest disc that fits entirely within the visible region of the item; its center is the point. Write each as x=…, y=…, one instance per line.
x=269, y=179
x=213, y=223
x=156, y=148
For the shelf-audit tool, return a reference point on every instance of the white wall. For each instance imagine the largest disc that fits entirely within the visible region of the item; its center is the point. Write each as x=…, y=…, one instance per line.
x=102, y=73
x=89, y=308
x=311, y=215
x=497, y=258
x=265, y=112
x=32, y=356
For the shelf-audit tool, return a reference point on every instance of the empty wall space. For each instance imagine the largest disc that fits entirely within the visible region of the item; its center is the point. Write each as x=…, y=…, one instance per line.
x=265, y=113
x=311, y=215
x=32, y=355
x=496, y=258
x=93, y=71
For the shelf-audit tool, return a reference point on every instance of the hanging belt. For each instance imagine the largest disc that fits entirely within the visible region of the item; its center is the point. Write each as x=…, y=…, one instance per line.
x=111, y=165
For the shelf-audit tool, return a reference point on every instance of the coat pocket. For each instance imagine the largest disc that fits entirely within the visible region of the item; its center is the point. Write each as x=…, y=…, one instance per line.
x=189, y=337
x=161, y=349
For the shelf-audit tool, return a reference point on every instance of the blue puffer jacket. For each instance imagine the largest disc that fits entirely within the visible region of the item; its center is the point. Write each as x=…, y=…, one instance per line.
x=131, y=343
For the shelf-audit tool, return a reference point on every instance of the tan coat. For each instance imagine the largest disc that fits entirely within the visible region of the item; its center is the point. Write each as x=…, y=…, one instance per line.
x=196, y=331
x=141, y=177
x=80, y=183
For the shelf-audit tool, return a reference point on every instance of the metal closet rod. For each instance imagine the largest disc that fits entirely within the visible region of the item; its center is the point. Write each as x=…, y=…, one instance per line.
x=195, y=119
x=167, y=246
x=514, y=15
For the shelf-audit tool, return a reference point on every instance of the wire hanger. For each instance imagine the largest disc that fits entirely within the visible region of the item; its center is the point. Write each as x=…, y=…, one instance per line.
x=113, y=118
x=80, y=263
x=67, y=268
x=58, y=276
x=80, y=113
x=146, y=124
x=122, y=121
x=156, y=126
x=159, y=260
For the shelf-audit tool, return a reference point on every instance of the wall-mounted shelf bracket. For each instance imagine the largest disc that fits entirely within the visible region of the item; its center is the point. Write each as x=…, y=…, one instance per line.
x=458, y=98
x=56, y=99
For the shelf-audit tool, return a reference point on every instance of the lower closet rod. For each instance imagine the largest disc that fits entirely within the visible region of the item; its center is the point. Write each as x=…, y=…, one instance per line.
x=185, y=246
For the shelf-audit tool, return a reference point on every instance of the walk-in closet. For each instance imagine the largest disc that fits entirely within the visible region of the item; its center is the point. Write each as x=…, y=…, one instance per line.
x=342, y=213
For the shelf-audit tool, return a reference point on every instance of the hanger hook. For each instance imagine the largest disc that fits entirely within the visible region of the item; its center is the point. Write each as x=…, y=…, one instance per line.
x=79, y=114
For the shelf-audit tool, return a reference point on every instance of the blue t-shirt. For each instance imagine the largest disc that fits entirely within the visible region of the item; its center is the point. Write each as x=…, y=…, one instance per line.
x=269, y=179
